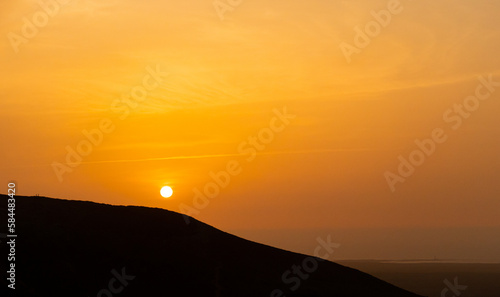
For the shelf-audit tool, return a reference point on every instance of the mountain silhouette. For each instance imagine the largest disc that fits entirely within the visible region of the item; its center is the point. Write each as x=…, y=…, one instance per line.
x=78, y=248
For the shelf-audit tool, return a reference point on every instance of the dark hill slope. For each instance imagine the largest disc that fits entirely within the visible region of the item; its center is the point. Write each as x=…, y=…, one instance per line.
x=70, y=248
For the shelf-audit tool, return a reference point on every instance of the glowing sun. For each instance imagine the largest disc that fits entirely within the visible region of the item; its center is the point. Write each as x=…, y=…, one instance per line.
x=166, y=191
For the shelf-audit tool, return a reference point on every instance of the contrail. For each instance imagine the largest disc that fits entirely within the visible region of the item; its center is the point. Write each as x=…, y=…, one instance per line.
x=221, y=156
x=295, y=152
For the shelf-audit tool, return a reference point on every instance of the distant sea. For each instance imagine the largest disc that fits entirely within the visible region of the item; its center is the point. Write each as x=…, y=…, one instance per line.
x=435, y=277
x=427, y=261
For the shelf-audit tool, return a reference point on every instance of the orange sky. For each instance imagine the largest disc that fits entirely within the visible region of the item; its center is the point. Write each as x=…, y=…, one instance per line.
x=325, y=170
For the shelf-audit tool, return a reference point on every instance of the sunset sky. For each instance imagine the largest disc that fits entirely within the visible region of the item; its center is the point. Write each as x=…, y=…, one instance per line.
x=213, y=83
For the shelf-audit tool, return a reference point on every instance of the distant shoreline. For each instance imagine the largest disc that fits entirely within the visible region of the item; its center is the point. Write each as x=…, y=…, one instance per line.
x=422, y=261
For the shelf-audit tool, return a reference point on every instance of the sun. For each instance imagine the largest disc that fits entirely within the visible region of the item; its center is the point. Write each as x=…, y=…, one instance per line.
x=166, y=191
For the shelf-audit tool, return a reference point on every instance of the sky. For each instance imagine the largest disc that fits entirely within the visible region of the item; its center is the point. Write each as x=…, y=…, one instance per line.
x=374, y=122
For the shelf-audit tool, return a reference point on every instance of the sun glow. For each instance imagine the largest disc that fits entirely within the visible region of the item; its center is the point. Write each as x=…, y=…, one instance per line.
x=166, y=192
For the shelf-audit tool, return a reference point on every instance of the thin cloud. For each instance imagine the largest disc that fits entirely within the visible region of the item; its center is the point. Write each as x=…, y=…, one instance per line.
x=294, y=152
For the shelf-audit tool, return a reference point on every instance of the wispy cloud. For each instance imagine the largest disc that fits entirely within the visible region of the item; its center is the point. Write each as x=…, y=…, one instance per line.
x=292, y=152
